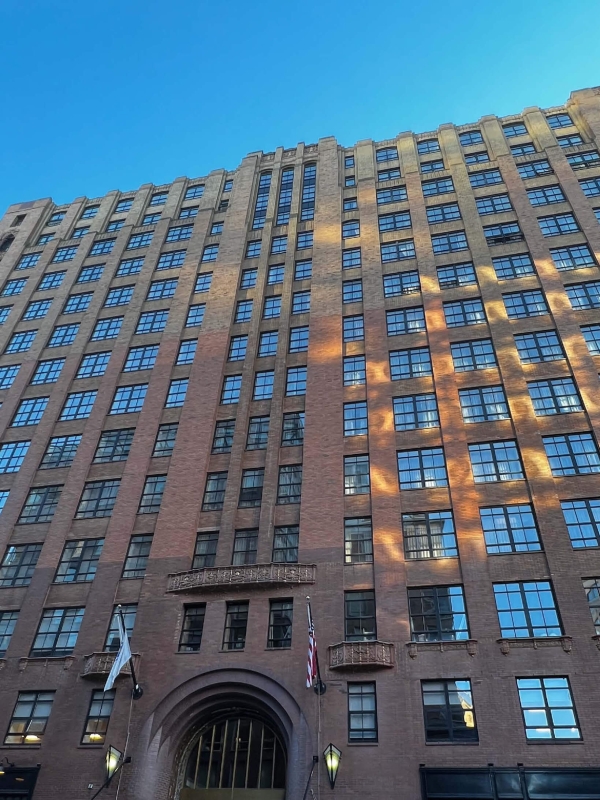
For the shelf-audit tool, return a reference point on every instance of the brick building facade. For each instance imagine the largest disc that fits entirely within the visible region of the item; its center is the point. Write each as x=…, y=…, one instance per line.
x=362, y=374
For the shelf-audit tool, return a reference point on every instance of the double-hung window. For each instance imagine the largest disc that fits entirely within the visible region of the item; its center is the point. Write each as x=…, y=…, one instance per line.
x=412, y=363
x=415, y=411
x=509, y=529
x=527, y=609
x=464, y=312
x=438, y=614
x=554, y=396
x=405, y=320
x=422, y=469
x=456, y=275
x=429, y=534
x=483, y=404
x=520, y=305
x=572, y=454
x=496, y=461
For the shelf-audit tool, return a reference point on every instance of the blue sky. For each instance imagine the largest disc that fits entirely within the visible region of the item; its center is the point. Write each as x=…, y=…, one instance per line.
x=101, y=96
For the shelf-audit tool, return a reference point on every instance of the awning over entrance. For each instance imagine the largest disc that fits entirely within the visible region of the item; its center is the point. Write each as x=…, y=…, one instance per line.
x=17, y=782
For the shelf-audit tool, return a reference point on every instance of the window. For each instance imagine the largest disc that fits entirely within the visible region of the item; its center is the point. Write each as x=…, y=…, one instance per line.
x=574, y=257
x=358, y=540
x=152, y=321
x=545, y=195
x=60, y=452
x=416, y=411
x=179, y=233
x=295, y=381
x=438, y=613
x=276, y=273
x=355, y=419
x=428, y=146
x=152, y=494
x=263, y=385
x=216, y=228
x=100, y=248
x=258, y=433
x=29, y=412
x=400, y=283
x=57, y=632
x=21, y=342
x=13, y=287
x=289, y=484
x=360, y=624
x=572, y=454
x=29, y=718
x=522, y=149
x=470, y=137
x=214, y=493
x=548, y=709
x=228, y=185
x=285, y=196
x=350, y=203
x=487, y=177
x=396, y=194
x=355, y=370
x=590, y=188
x=8, y=375
x=591, y=334
x=429, y=534
x=158, y=199
x=412, y=363
x=119, y=297
x=90, y=212
x=362, y=712
x=177, y=393
x=285, y=545
x=68, y=253
x=559, y=120
x=129, y=399
x=12, y=455
x=540, y=346
x=19, y=564
x=527, y=609
x=421, y=469
x=112, y=642
x=77, y=302
x=267, y=344
x=456, y=275
x=141, y=358
x=444, y=213
x=191, y=630
x=449, y=242
x=40, y=505
x=525, y=304
x=510, y=267
x=4, y=312
x=165, y=440
x=98, y=499
x=236, y=621
x=386, y=154
x=464, y=312
x=301, y=302
x=495, y=461
x=174, y=259
x=92, y=365
x=251, y=488
x=223, y=436
x=36, y=309
x=483, y=404
x=299, y=339
x=57, y=217
x=194, y=192
x=51, y=280
x=253, y=249
x=243, y=311
x=195, y=315
x=582, y=518
x=244, y=547
x=558, y=224
x=495, y=204
x=432, y=166
x=554, y=396
x=248, y=280
x=205, y=550
x=91, y=274
x=232, y=385
x=534, y=169
x=114, y=445
x=3, y=498
x=137, y=557
x=262, y=201
x=569, y=141
x=79, y=561
x=351, y=258
x=591, y=587
x=8, y=620
x=293, y=429
x=356, y=475
x=502, y=234
x=78, y=405
x=348, y=162
x=116, y=225
x=350, y=229
x=584, y=295
x=353, y=328
x=280, y=624
x=509, y=529
x=405, y=320
x=28, y=261
x=152, y=219
x=123, y=205
x=441, y=186
x=107, y=328
x=388, y=174
x=304, y=240
x=393, y=222
x=448, y=711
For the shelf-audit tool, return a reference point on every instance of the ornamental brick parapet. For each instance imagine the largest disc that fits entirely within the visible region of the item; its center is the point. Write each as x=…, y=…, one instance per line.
x=362, y=655
x=244, y=575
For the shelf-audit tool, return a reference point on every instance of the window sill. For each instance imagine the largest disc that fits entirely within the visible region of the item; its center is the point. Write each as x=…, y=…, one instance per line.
x=535, y=642
x=363, y=744
x=470, y=645
x=452, y=744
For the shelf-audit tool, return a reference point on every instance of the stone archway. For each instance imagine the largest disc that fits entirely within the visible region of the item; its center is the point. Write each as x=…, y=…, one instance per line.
x=167, y=738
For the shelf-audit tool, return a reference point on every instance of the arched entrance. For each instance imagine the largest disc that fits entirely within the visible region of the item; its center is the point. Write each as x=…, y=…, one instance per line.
x=236, y=755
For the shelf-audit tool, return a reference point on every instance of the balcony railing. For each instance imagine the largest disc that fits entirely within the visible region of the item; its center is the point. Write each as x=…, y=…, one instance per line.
x=243, y=575
x=98, y=664
x=362, y=655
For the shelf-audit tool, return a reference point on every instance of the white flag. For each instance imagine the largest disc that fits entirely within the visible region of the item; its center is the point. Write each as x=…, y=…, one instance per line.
x=122, y=656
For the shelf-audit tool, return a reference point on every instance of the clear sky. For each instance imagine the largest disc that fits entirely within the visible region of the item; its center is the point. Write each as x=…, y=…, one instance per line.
x=109, y=95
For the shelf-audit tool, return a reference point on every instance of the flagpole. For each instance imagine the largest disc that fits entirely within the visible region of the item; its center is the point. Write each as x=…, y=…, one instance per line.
x=137, y=689
x=320, y=689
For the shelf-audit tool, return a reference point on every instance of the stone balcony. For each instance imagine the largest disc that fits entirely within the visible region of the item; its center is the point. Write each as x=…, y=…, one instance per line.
x=245, y=575
x=361, y=655
x=97, y=665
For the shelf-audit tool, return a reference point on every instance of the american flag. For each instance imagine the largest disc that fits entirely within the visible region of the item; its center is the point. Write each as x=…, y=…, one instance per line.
x=311, y=664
